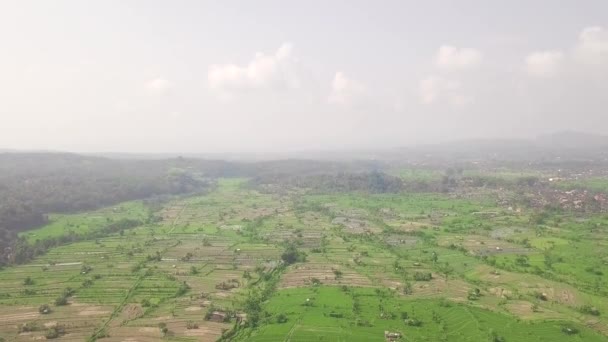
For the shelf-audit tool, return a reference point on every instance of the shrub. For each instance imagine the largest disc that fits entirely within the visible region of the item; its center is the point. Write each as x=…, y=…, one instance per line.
x=423, y=276
x=292, y=255
x=28, y=281
x=183, y=288
x=85, y=269
x=362, y=323
x=494, y=337
x=413, y=322
x=338, y=274
x=474, y=294
x=589, y=310
x=61, y=301
x=407, y=288
x=55, y=332
x=28, y=327
x=191, y=325
x=569, y=330
x=163, y=328
x=336, y=314
x=540, y=295
x=282, y=318
x=68, y=292
x=44, y=309
x=522, y=260
x=29, y=292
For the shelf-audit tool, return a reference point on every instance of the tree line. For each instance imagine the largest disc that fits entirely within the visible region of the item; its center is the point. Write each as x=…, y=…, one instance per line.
x=35, y=184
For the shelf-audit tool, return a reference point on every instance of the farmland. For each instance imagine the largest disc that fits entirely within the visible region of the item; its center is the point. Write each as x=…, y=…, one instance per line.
x=246, y=262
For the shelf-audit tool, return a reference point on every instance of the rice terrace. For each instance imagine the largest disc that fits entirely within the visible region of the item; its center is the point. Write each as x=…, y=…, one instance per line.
x=408, y=254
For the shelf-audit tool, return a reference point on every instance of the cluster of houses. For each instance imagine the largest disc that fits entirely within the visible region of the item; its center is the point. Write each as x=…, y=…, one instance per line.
x=390, y=336
x=577, y=200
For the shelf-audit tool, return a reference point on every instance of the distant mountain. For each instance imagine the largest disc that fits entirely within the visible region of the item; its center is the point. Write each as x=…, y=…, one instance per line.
x=565, y=145
x=573, y=140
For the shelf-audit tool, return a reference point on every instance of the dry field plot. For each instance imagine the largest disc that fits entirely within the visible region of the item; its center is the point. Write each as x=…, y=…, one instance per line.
x=303, y=275
x=411, y=226
x=356, y=226
x=453, y=289
x=483, y=245
x=80, y=321
x=508, y=284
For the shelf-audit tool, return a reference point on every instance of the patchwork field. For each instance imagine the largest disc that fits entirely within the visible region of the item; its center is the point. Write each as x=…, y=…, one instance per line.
x=238, y=264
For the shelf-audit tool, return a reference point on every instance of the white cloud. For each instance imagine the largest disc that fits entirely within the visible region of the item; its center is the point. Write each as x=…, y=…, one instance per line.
x=592, y=45
x=544, y=63
x=436, y=89
x=159, y=86
x=452, y=58
x=276, y=71
x=346, y=91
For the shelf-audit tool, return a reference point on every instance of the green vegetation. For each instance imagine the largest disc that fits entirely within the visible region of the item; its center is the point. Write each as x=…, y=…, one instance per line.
x=263, y=260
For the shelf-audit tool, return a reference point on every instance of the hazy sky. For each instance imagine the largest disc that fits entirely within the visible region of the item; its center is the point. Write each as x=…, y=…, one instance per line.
x=228, y=76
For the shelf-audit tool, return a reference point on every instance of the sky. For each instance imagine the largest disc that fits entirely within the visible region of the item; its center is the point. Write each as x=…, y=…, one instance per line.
x=277, y=76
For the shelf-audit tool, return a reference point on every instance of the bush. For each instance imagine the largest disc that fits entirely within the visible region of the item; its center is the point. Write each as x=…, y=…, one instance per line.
x=68, y=292
x=61, y=301
x=423, y=276
x=55, y=332
x=338, y=274
x=474, y=294
x=282, y=318
x=540, y=295
x=85, y=269
x=44, y=309
x=413, y=322
x=522, y=260
x=494, y=337
x=28, y=281
x=362, y=323
x=163, y=328
x=191, y=325
x=183, y=288
x=589, y=310
x=29, y=292
x=569, y=330
x=292, y=255
x=29, y=327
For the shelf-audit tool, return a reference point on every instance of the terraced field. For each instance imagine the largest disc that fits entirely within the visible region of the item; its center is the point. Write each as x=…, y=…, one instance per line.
x=238, y=264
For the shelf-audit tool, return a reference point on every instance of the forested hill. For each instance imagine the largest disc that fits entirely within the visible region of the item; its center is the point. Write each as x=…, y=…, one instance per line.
x=34, y=184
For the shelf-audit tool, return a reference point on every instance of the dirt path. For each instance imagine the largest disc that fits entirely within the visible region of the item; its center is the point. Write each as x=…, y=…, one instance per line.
x=174, y=223
x=118, y=309
x=291, y=331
